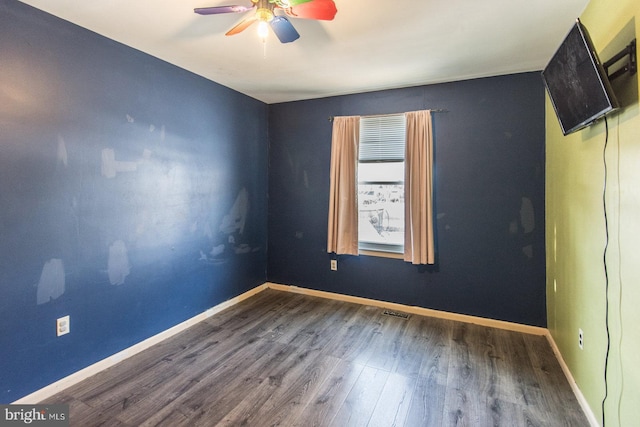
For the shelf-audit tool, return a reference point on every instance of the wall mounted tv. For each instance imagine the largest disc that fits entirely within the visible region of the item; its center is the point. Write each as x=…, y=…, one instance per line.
x=577, y=84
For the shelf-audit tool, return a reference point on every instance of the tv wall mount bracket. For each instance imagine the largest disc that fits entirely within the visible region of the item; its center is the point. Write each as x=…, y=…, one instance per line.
x=631, y=66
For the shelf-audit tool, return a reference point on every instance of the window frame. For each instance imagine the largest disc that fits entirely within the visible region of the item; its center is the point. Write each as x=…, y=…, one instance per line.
x=399, y=135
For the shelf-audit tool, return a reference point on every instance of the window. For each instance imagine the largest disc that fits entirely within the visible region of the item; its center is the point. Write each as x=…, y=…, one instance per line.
x=381, y=186
x=381, y=183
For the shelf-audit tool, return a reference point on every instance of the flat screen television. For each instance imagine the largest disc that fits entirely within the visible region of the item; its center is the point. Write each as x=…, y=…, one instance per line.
x=577, y=83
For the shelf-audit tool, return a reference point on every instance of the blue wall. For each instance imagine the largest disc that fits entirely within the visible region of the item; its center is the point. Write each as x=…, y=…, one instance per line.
x=132, y=196
x=489, y=197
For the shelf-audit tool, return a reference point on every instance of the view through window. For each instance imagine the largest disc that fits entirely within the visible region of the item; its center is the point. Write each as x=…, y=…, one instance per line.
x=381, y=183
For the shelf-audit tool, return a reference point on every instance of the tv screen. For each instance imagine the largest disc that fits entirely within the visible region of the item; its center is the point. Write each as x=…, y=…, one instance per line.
x=577, y=83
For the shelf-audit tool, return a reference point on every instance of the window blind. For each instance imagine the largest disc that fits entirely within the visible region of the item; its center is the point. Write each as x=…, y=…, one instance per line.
x=382, y=138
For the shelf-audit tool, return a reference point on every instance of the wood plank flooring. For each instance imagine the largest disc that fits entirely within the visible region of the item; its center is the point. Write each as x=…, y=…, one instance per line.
x=287, y=359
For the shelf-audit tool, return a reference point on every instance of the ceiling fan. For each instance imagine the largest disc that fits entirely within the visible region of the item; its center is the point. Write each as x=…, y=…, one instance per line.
x=274, y=13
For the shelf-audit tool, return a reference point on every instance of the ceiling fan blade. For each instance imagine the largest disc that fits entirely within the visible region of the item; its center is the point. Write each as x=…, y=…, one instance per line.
x=316, y=9
x=221, y=9
x=284, y=30
x=241, y=26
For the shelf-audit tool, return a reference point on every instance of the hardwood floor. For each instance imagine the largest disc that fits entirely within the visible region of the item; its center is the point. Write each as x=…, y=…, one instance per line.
x=287, y=359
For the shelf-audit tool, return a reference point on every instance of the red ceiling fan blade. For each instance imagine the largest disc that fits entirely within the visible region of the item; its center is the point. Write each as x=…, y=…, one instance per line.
x=317, y=9
x=243, y=25
x=221, y=9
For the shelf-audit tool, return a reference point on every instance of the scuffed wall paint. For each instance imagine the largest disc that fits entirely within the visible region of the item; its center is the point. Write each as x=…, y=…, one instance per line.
x=132, y=196
x=489, y=199
x=52, y=281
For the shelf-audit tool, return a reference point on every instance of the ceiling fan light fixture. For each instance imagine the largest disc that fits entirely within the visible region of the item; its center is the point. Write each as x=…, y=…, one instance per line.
x=263, y=30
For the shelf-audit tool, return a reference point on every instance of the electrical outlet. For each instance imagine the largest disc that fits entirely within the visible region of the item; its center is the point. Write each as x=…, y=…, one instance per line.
x=334, y=265
x=580, y=339
x=63, y=326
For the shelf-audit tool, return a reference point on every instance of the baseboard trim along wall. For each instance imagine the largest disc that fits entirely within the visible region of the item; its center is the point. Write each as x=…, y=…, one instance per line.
x=50, y=390
x=593, y=421
x=534, y=330
x=76, y=377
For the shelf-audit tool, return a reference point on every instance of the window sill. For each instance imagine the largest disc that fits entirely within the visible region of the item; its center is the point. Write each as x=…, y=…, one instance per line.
x=381, y=254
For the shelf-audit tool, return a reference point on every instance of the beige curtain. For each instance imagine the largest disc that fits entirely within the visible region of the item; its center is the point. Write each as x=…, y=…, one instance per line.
x=418, y=189
x=343, y=196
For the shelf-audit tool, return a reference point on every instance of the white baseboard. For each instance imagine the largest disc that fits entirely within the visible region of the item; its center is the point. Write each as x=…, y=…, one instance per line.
x=534, y=330
x=500, y=324
x=76, y=377
x=50, y=390
x=593, y=421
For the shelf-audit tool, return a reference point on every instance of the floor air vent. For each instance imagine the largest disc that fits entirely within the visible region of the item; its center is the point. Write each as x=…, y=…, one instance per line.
x=396, y=314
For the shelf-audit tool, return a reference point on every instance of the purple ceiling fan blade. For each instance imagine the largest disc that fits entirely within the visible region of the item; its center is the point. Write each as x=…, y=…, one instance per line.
x=221, y=9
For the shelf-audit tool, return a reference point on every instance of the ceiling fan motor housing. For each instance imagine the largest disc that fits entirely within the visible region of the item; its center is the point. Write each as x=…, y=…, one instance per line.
x=264, y=10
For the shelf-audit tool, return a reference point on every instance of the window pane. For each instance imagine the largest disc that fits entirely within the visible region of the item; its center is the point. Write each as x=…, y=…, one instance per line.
x=381, y=213
x=381, y=172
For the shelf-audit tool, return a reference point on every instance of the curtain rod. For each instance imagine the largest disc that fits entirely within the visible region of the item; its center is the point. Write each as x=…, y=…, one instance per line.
x=435, y=110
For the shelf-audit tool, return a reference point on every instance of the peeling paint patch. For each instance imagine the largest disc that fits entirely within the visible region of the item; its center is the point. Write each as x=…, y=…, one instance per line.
x=528, y=251
x=242, y=249
x=207, y=231
x=513, y=227
x=299, y=235
x=52, y=281
x=237, y=216
x=441, y=215
x=217, y=250
x=527, y=216
x=62, y=152
x=111, y=166
x=118, y=266
x=130, y=119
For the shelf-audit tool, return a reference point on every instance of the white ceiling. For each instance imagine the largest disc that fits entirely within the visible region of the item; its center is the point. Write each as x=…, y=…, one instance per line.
x=370, y=45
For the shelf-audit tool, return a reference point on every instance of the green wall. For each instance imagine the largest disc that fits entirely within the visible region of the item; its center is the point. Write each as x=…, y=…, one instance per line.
x=576, y=234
